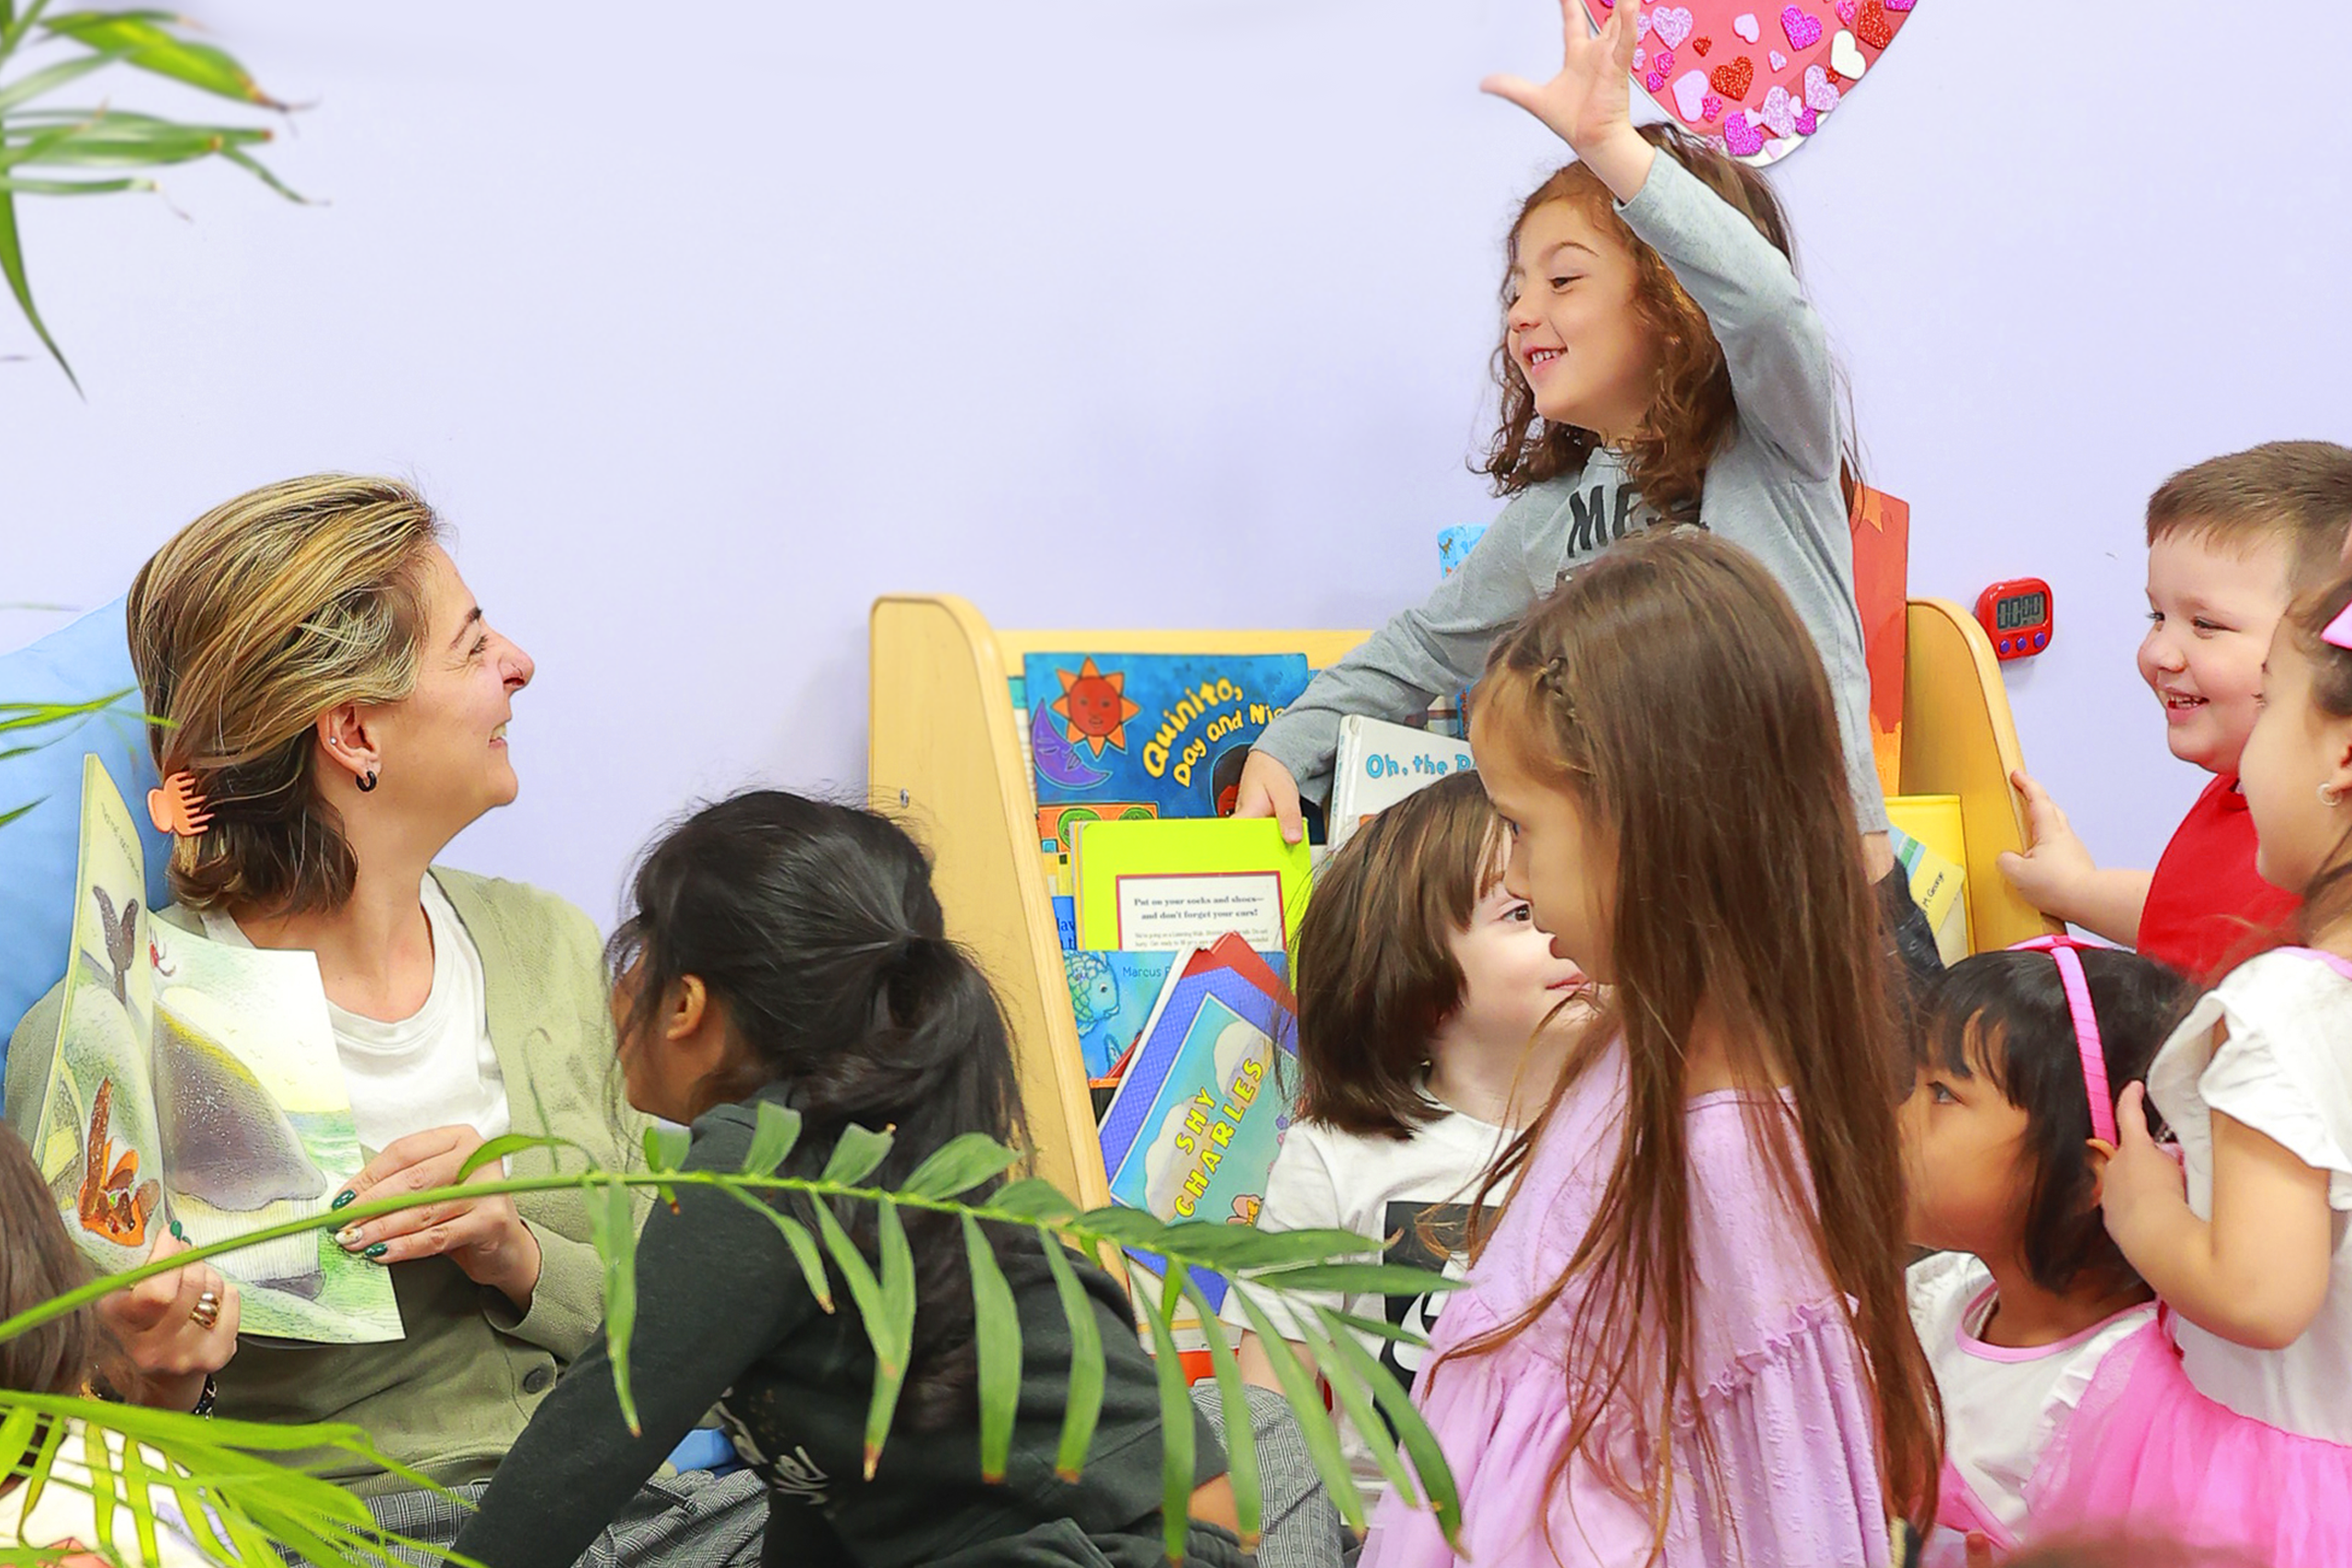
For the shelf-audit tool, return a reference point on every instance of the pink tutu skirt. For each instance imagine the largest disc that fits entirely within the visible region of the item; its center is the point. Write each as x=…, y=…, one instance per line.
x=2147, y=1451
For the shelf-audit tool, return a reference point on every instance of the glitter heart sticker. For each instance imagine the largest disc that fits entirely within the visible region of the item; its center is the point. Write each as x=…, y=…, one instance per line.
x=1757, y=80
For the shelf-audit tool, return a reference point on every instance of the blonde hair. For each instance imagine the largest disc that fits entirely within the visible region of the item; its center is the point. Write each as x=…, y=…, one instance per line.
x=257, y=617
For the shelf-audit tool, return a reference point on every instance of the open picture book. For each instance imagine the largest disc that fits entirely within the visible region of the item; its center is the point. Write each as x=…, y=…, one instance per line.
x=196, y=1083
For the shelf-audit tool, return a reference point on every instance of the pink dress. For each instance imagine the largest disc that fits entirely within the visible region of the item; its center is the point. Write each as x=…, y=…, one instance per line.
x=2184, y=1432
x=1782, y=1397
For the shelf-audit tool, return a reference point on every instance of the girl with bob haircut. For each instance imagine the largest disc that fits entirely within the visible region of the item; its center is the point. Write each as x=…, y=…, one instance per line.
x=1427, y=1036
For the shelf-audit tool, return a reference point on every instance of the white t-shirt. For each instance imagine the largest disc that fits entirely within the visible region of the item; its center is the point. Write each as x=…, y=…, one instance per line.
x=2003, y=1406
x=2286, y=1072
x=435, y=1067
x=68, y=1514
x=1379, y=1187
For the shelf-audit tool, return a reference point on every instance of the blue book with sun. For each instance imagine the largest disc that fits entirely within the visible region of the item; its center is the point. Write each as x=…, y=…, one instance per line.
x=1170, y=729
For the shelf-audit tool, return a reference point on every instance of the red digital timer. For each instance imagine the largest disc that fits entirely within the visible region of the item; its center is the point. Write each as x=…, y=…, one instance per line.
x=2017, y=616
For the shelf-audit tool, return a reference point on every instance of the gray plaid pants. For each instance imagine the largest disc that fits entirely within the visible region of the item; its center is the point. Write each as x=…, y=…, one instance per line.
x=695, y=1519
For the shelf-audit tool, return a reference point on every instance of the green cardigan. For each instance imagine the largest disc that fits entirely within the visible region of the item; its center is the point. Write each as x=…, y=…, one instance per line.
x=450, y=1398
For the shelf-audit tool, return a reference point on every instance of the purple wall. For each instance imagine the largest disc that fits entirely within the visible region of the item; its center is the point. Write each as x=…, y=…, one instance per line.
x=1160, y=312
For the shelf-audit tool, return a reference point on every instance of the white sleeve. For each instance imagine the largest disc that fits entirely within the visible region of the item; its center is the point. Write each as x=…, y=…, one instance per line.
x=1301, y=1194
x=1940, y=1286
x=2285, y=1069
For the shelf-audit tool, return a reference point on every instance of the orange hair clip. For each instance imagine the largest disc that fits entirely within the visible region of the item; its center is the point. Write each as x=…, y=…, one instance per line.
x=176, y=809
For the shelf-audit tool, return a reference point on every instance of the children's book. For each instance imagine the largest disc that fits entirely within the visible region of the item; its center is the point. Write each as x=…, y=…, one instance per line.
x=1932, y=848
x=1454, y=545
x=1379, y=763
x=1165, y=886
x=1165, y=730
x=1202, y=1109
x=1450, y=715
x=1113, y=993
x=1882, y=564
x=197, y=1083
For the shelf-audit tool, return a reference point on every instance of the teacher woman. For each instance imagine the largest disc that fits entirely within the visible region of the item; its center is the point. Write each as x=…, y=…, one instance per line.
x=337, y=707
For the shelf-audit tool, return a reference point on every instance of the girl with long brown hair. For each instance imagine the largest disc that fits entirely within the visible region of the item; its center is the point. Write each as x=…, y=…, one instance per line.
x=1659, y=364
x=1687, y=1338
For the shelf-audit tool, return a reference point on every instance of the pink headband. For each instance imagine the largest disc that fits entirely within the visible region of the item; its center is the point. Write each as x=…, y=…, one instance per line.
x=2339, y=630
x=2078, y=1003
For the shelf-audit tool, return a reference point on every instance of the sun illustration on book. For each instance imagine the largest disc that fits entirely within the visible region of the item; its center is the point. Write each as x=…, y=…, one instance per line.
x=1096, y=707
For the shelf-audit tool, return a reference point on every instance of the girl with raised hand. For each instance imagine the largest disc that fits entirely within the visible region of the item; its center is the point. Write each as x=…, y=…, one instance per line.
x=1659, y=364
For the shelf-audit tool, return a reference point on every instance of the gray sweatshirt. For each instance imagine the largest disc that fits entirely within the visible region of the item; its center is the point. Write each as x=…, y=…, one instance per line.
x=1773, y=490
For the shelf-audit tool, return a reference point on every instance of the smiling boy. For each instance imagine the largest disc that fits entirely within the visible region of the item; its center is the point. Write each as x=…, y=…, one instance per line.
x=2231, y=543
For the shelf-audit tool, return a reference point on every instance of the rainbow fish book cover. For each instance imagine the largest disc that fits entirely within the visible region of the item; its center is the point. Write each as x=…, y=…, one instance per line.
x=1170, y=730
x=1112, y=992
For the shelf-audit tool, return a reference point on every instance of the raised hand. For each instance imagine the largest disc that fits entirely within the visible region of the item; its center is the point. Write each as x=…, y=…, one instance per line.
x=1589, y=103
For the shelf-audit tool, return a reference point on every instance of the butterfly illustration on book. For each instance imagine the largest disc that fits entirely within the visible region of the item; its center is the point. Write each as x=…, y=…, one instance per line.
x=121, y=939
x=114, y=1202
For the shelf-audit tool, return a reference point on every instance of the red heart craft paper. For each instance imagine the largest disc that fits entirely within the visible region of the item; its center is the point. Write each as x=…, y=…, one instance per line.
x=1757, y=78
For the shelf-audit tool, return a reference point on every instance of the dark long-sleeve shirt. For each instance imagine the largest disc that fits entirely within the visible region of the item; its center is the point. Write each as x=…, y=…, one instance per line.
x=725, y=1317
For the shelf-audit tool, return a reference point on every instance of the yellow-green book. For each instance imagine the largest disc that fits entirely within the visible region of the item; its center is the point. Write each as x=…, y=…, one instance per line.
x=1160, y=886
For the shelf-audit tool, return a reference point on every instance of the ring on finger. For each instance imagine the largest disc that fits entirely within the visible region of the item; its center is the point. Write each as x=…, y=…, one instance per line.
x=206, y=1313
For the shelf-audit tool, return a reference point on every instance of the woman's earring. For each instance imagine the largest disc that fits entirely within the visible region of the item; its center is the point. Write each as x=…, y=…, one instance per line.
x=2330, y=797
x=368, y=781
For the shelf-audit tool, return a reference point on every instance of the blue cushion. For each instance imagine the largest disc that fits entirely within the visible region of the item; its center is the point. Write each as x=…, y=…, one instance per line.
x=39, y=850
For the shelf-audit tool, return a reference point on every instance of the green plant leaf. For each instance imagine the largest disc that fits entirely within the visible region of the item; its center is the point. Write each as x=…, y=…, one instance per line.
x=1412, y=1431
x=1175, y=1425
x=867, y=1292
x=71, y=187
x=52, y=1439
x=1130, y=1227
x=13, y=29
x=612, y=1227
x=33, y=83
x=1033, y=1198
x=12, y=266
x=145, y=43
x=1085, y=1406
x=1315, y=1422
x=996, y=1333
x=1358, y=1279
x=772, y=1137
x=17, y=1435
x=507, y=1143
x=1380, y=1328
x=795, y=1236
x=1240, y=1436
x=666, y=1148
x=859, y=1150
x=959, y=1164
x=898, y=1329
x=16, y=811
x=136, y=1483
x=1348, y=1388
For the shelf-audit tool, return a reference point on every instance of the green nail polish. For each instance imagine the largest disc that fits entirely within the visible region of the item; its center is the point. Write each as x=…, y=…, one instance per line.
x=178, y=1233
x=344, y=1199
x=376, y=1249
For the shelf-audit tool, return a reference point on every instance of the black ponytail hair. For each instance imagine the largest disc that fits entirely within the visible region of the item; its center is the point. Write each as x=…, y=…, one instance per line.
x=2011, y=1006
x=815, y=927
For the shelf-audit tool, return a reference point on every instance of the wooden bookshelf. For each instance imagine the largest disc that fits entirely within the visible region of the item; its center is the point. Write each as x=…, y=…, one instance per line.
x=945, y=755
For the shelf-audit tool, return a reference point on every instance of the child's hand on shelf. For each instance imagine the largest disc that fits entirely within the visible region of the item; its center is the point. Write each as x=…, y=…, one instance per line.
x=2049, y=876
x=1267, y=790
